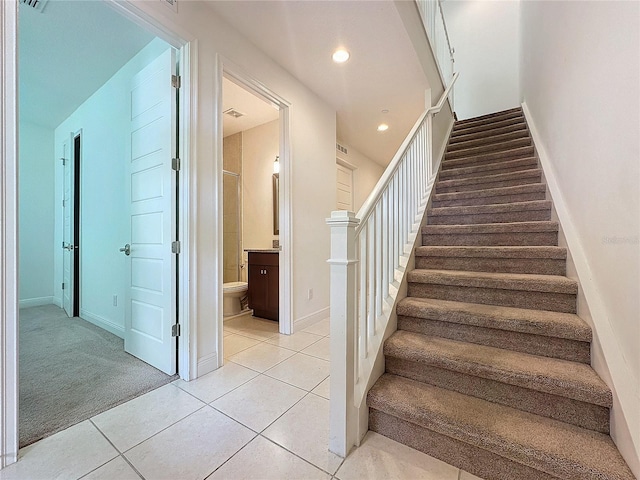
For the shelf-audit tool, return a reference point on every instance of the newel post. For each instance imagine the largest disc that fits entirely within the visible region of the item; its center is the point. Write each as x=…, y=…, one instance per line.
x=343, y=418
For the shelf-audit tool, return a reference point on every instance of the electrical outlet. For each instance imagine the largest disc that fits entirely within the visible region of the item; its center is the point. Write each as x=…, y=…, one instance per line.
x=310, y=294
x=115, y=300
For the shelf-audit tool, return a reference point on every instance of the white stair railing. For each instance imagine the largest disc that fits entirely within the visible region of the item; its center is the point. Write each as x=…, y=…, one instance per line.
x=436, y=28
x=368, y=255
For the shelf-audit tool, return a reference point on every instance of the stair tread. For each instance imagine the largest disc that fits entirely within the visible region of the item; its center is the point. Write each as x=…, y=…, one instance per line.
x=555, y=447
x=542, y=252
x=488, y=148
x=505, y=281
x=467, y=130
x=511, y=227
x=512, y=153
x=488, y=139
x=518, y=126
x=535, y=322
x=577, y=381
x=493, y=208
x=491, y=192
x=496, y=177
x=489, y=115
x=488, y=167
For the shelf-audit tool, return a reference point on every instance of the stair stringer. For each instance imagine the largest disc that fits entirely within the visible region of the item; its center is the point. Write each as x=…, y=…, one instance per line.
x=606, y=356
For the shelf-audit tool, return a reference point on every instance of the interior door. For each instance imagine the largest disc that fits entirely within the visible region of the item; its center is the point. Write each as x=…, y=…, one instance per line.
x=67, y=228
x=151, y=306
x=344, y=188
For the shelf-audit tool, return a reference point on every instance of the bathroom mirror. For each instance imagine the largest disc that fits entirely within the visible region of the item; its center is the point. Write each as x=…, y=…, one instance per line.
x=276, y=190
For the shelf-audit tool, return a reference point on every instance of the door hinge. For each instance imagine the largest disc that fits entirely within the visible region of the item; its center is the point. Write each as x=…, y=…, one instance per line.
x=175, y=164
x=175, y=81
x=63, y=285
x=64, y=203
x=64, y=161
x=175, y=330
x=175, y=247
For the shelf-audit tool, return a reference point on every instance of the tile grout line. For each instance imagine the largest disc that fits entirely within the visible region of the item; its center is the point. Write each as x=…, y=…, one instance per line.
x=120, y=454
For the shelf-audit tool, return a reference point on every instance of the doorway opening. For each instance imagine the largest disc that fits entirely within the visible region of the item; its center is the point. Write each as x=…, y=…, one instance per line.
x=98, y=316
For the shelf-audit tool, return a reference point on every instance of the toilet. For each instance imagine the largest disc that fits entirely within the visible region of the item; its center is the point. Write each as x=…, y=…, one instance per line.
x=232, y=292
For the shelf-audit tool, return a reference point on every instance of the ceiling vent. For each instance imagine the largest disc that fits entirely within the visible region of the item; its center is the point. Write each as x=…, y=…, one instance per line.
x=233, y=112
x=342, y=149
x=35, y=4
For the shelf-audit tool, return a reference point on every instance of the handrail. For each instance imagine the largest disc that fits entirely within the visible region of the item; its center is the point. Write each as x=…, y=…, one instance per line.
x=369, y=253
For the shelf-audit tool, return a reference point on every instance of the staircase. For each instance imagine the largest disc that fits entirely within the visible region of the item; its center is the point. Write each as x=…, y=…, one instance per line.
x=489, y=369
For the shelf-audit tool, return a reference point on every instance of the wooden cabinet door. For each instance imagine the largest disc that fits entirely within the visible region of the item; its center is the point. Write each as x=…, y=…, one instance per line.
x=258, y=288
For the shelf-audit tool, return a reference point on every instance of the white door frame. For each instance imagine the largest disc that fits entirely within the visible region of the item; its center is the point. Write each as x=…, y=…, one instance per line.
x=9, y=209
x=225, y=67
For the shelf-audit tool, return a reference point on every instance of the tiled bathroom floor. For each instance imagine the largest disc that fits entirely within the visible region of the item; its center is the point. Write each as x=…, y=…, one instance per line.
x=263, y=415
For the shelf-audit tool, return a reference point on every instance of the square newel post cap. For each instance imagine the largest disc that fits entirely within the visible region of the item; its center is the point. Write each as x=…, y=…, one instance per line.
x=343, y=218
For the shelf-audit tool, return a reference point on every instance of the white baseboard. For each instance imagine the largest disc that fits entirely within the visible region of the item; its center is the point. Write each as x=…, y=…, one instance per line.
x=618, y=373
x=308, y=320
x=37, y=302
x=207, y=364
x=98, y=321
x=57, y=301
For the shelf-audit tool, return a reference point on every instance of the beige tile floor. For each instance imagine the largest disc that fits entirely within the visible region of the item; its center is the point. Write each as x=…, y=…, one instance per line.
x=263, y=415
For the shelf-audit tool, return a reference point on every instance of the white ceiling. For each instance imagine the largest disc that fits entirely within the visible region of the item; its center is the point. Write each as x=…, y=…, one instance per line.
x=256, y=111
x=67, y=52
x=383, y=72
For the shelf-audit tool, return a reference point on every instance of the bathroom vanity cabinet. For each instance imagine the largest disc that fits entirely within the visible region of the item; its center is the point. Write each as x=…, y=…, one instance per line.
x=264, y=284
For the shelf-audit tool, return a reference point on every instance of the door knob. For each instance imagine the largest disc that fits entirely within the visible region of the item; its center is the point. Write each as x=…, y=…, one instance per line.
x=126, y=249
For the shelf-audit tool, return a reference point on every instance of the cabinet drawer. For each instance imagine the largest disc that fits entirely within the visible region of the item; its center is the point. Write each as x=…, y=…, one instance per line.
x=263, y=258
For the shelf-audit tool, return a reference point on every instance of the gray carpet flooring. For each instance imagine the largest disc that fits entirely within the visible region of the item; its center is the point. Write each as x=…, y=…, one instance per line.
x=71, y=370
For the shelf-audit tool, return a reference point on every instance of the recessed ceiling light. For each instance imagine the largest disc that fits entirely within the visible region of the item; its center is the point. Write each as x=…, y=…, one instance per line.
x=340, y=55
x=385, y=111
x=383, y=127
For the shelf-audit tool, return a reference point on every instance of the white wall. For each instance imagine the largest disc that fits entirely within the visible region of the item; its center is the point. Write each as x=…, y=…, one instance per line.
x=312, y=142
x=485, y=35
x=581, y=84
x=365, y=174
x=36, y=174
x=260, y=145
x=104, y=120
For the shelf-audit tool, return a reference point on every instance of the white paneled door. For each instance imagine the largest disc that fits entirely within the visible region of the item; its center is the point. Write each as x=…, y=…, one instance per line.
x=151, y=306
x=344, y=188
x=67, y=228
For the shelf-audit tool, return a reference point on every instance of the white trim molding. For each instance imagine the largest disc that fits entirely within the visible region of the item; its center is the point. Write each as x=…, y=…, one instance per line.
x=308, y=320
x=8, y=233
x=617, y=369
x=103, y=323
x=37, y=302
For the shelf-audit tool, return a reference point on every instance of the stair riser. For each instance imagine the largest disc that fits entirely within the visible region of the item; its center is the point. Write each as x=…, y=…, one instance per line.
x=492, y=129
x=519, y=127
x=523, y=180
x=488, y=139
x=483, y=159
x=553, y=347
x=477, y=461
x=479, y=122
x=506, y=217
x=500, y=199
x=492, y=239
x=489, y=148
x=542, y=266
x=490, y=169
x=564, y=409
x=551, y=301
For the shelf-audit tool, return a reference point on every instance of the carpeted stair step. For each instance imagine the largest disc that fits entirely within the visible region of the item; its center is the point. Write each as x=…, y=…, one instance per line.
x=543, y=260
x=537, y=210
x=520, y=127
x=489, y=196
x=566, y=391
x=549, y=334
x=502, y=166
x=488, y=439
x=541, y=292
x=487, y=129
x=485, y=182
x=488, y=139
x=488, y=119
x=488, y=148
x=510, y=154
x=517, y=233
